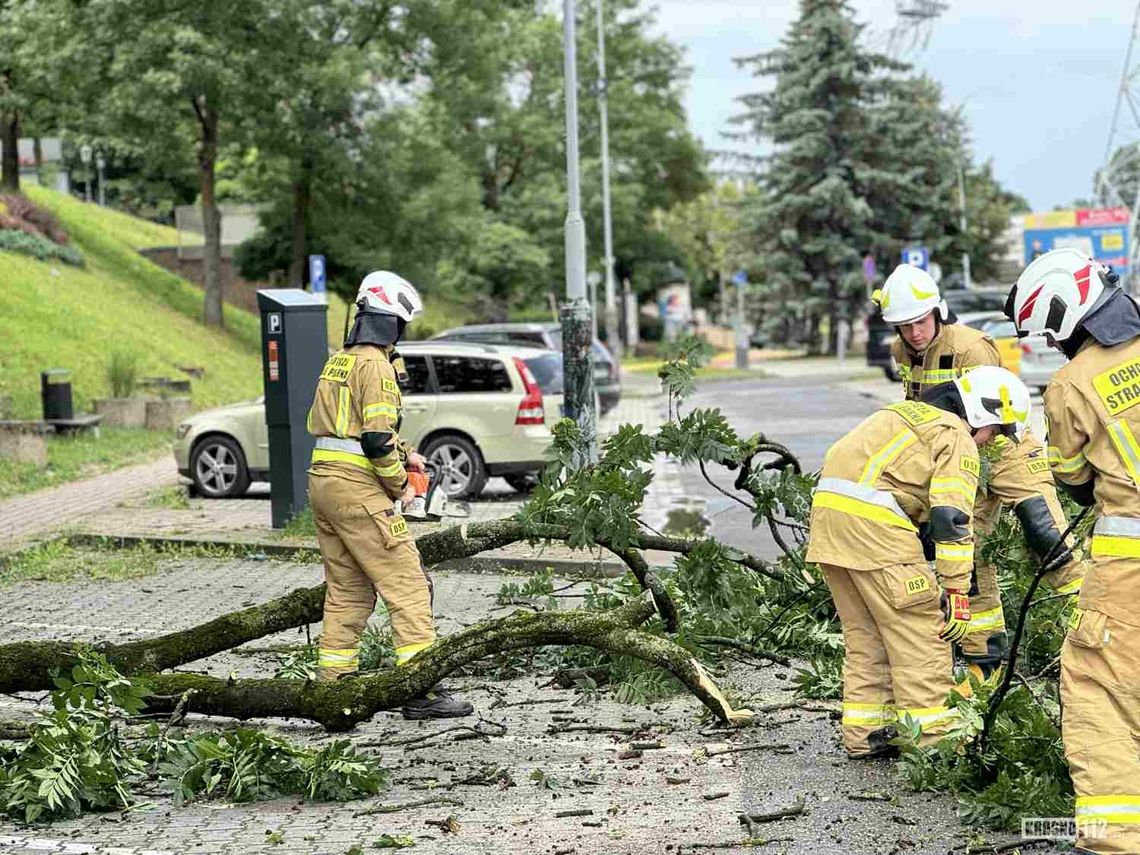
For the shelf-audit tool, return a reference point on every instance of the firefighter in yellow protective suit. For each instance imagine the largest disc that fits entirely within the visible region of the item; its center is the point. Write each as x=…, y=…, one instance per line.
x=910, y=464
x=358, y=472
x=932, y=349
x=1093, y=408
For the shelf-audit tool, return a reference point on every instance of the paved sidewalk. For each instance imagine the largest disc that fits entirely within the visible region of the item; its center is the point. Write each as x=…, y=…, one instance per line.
x=37, y=513
x=678, y=790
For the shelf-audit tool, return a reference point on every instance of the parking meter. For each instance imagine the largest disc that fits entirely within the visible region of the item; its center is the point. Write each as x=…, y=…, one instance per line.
x=294, y=347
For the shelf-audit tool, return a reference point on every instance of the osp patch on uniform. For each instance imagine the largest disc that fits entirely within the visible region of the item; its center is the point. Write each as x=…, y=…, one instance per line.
x=917, y=585
x=390, y=386
x=338, y=367
x=1037, y=466
x=399, y=526
x=916, y=412
x=971, y=465
x=1119, y=387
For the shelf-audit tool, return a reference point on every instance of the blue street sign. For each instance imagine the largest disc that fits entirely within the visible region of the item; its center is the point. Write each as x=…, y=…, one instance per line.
x=917, y=256
x=317, y=274
x=740, y=278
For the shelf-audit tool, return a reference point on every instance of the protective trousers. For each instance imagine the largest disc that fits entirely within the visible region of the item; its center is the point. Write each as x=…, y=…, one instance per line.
x=367, y=549
x=986, y=643
x=895, y=665
x=1100, y=690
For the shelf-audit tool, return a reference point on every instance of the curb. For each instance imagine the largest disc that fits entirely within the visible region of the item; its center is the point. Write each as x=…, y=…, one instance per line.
x=586, y=569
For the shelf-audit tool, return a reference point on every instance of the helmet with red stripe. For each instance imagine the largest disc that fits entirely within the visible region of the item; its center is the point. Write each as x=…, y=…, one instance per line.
x=1054, y=293
x=385, y=293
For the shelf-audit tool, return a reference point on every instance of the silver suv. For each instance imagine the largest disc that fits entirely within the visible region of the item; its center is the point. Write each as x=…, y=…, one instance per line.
x=476, y=410
x=607, y=371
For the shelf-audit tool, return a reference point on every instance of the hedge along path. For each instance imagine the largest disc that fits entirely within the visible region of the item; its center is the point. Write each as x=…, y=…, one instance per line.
x=29, y=665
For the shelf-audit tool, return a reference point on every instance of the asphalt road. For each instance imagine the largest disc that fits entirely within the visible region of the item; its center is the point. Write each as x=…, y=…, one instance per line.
x=804, y=413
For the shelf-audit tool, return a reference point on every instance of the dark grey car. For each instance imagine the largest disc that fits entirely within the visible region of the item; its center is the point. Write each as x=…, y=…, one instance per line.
x=607, y=371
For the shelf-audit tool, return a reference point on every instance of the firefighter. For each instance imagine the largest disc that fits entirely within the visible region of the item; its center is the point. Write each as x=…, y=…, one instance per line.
x=932, y=349
x=359, y=469
x=1093, y=424
x=910, y=464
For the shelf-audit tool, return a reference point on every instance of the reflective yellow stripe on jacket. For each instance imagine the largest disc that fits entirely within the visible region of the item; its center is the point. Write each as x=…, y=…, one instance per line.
x=859, y=500
x=1058, y=463
x=1127, y=448
x=987, y=621
x=953, y=486
x=1116, y=537
x=954, y=551
x=343, y=410
x=371, y=411
x=881, y=459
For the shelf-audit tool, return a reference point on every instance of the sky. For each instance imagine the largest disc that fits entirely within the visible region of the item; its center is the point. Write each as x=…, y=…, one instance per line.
x=1038, y=78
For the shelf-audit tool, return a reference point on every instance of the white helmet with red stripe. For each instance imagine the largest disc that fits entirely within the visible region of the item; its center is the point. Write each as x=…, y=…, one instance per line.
x=1054, y=293
x=385, y=293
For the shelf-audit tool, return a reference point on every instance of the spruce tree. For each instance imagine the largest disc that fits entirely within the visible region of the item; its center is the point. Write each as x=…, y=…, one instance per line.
x=811, y=220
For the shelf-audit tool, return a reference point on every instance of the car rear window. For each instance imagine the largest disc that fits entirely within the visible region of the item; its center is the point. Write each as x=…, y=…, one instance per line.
x=547, y=371
x=470, y=374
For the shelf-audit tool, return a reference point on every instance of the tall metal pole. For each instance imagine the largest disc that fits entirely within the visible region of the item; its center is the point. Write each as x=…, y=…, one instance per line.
x=612, y=338
x=578, y=375
x=962, y=224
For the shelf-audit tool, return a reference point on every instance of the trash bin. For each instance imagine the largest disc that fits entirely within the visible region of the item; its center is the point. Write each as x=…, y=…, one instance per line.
x=55, y=391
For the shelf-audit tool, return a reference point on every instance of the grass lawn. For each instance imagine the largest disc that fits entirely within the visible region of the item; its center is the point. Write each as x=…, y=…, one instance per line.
x=72, y=458
x=652, y=364
x=58, y=561
x=55, y=316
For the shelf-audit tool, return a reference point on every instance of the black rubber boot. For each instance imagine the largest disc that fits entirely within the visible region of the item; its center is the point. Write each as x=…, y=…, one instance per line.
x=437, y=703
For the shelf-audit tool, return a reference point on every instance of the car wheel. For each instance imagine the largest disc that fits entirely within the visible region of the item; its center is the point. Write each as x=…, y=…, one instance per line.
x=218, y=468
x=460, y=461
x=523, y=482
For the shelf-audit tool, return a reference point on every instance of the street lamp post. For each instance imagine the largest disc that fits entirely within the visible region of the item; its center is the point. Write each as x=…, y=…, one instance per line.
x=100, y=165
x=578, y=375
x=85, y=156
x=612, y=338
x=962, y=224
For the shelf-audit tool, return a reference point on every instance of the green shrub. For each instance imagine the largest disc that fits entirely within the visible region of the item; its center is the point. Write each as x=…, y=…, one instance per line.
x=39, y=248
x=123, y=373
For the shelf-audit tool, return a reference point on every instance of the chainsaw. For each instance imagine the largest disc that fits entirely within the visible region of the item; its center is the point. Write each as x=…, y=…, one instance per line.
x=431, y=503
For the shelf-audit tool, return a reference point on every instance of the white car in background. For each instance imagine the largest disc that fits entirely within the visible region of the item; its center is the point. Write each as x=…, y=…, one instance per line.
x=1032, y=359
x=476, y=410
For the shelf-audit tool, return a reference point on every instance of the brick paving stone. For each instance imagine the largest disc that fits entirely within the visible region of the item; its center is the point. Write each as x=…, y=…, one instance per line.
x=64, y=506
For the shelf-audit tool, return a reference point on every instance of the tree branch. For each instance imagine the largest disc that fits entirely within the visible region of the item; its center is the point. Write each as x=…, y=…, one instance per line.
x=341, y=705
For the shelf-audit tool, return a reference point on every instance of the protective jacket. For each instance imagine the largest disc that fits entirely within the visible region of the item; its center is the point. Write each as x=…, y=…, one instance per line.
x=356, y=416
x=954, y=350
x=907, y=464
x=1011, y=479
x=1093, y=407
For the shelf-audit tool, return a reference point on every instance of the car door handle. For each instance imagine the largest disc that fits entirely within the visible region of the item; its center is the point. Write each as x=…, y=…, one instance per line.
x=415, y=408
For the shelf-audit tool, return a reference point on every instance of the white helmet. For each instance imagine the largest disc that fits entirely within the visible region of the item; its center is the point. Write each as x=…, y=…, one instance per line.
x=994, y=396
x=385, y=293
x=1054, y=293
x=908, y=295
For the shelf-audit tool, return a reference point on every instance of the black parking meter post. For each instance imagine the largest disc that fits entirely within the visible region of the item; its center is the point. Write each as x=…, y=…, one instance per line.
x=294, y=348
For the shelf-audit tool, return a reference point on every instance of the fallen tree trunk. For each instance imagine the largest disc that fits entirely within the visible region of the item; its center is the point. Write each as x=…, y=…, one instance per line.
x=340, y=706
x=28, y=665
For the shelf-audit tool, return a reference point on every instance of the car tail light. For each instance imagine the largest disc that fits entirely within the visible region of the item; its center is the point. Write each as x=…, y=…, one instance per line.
x=531, y=411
